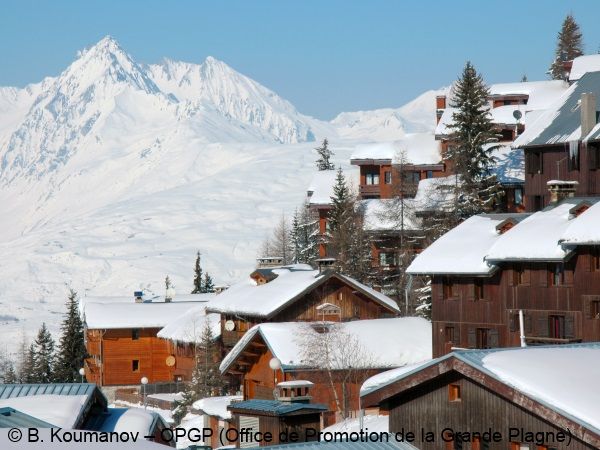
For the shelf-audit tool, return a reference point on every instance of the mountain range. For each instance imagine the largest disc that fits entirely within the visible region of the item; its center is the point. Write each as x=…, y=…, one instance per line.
x=114, y=173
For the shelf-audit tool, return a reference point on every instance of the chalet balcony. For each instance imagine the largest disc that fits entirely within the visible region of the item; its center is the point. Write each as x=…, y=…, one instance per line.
x=370, y=190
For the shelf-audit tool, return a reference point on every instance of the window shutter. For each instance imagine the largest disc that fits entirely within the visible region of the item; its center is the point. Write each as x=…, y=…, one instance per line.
x=472, y=338
x=569, y=275
x=439, y=284
x=514, y=321
x=593, y=157
x=542, y=326
x=493, y=339
x=471, y=290
x=457, y=342
x=569, y=327
x=512, y=277
x=587, y=306
x=590, y=266
x=526, y=275
x=528, y=324
x=544, y=274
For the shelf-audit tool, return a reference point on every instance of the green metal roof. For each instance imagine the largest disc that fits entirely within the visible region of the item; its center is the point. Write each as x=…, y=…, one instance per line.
x=11, y=418
x=276, y=407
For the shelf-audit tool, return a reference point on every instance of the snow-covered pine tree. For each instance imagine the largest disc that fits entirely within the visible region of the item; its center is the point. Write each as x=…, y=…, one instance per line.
x=71, y=350
x=208, y=284
x=325, y=154
x=568, y=47
x=27, y=373
x=44, y=356
x=9, y=376
x=168, y=283
x=206, y=377
x=197, y=275
x=473, y=137
x=346, y=240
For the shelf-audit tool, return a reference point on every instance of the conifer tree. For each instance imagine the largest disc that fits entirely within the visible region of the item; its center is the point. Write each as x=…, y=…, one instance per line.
x=473, y=136
x=168, y=283
x=27, y=372
x=72, y=352
x=208, y=286
x=325, y=154
x=304, y=236
x=44, y=356
x=568, y=47
x=9, y=376
x=206, y=377
x=197, y=276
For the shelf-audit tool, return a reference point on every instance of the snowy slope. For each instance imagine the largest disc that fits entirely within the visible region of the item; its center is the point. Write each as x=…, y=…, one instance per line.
x=114, y=173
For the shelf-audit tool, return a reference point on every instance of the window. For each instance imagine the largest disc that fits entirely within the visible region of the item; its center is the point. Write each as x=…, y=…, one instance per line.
x=415, y=177
x=135, y=334
x=454, y=392
x=594, y=157
x=387, y=259
x=135, y=365
x=387, y=177
x=534, y=162
x=478, y=289
x=556, y=326
x=538, y=202
x=430, y=174
x=520, y=275
x=483, y=338
x=449, y=289
x=518, y=196
x=449, y=334
x=595, y=259
x=556, y=274
x=372, y=178
x=519, y=446
x=595, y=309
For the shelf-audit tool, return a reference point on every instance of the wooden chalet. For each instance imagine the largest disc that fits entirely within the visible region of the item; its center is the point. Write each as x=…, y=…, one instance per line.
x=271, y=353
x=295, y=293
x=564, y=144
x=217, y=418
x=502, y=278
x=534, y=398
x=277, y=419
x=123, y=344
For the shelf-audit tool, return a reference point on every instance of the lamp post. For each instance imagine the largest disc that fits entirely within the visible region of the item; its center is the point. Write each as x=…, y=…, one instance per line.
x=275, y=365
x=82, y=373
x=144, y=381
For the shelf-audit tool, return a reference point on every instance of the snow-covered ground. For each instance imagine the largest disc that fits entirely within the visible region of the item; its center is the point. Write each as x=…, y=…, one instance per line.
x=114, y=173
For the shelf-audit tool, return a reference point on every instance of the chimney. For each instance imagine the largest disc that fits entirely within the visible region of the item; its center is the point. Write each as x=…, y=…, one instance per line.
x=559, y=190
x=297, y=391
x=269, y=261
x=325, y=264
x=588, y=113
x=137, y=295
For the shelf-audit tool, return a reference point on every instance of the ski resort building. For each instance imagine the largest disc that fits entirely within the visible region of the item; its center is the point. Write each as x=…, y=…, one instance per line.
x=271, y=353
x=516, y=398
x=492, y=267
x=296, y=293
x=122, y=339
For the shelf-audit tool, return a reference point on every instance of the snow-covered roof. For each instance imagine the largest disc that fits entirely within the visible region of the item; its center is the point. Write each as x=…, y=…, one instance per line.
x=389, y=342
x=584, y=64
x=374, y=423
x=386, y=215
x=59, y=410
x=320, y=189
x=585, y=230
x=536, y=237
x=561, y=122
x=418, y=148
x=461, y=250
x=130, y=420
x=217, y=406
x=435, y=194
x=520, y=368
x=133, y=315
x=189, y=326
x=292, y=282
x=509, y=165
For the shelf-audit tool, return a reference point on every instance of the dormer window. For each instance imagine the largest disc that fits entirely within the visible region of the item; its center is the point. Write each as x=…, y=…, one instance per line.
x=579, y=209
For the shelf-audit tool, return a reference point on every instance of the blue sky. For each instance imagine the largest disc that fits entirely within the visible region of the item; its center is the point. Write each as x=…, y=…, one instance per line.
x=325, y=56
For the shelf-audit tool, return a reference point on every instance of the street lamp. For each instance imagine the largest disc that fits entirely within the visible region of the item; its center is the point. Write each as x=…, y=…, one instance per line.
x=82, y=373
x=275, y=365
x=144, y=381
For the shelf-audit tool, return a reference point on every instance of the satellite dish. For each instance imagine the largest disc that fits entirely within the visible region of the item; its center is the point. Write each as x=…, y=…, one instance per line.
x=230, y=325
x=517, y=114
x=170, y=361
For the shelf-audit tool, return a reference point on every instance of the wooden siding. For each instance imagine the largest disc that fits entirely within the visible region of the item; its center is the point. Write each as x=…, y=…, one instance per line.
x=502, y=299
x=113, y=352
x=427, y=407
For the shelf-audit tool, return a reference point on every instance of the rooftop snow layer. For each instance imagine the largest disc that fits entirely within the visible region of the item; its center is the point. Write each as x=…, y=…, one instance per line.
x=190, y=325
x=248, y=298
x=561, y=122
x=537, y=237
x=435, y=194
x=320, y=189
x=585, y=229
x=384, y=378
x=509, y=166
x=374, y=423
x=584, y=64
x=133, y=315
x=462, y=250
x=59, y=410
x=389, y=342
x=418, y=148
x=217, y=406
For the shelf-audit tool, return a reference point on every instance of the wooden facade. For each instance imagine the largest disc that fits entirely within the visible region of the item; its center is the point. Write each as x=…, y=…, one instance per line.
x=353, y=304
x=555, y=162
x=453, y=395
x=124, y=356
x=561, y=304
